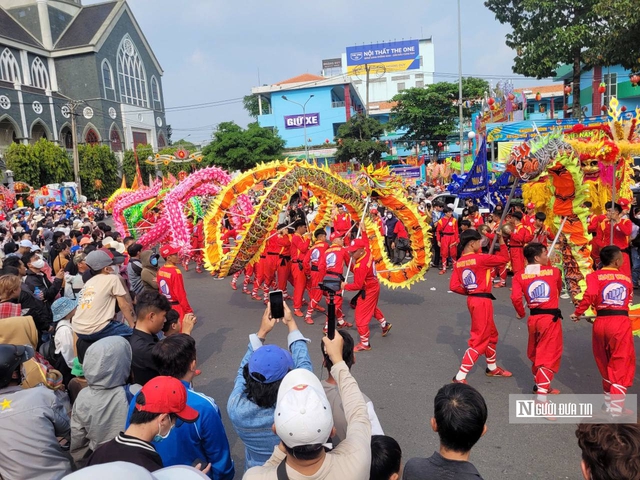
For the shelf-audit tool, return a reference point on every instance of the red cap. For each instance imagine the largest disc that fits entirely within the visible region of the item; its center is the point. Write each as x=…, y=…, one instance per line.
x=374, y=211
x=335, y=235
x=167, y=250
x=357, y=244
x=624, y=203
x=167, y=395
x=531, y=205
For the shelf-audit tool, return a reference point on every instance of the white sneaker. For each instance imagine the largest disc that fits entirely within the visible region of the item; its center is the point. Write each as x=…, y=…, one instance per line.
x=565, y=295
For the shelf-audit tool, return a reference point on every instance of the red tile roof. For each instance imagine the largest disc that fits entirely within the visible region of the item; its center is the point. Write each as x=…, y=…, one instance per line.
x=557, y=88
x=305, y=77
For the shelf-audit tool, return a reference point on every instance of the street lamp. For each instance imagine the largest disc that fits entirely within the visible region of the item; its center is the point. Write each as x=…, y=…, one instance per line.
x=304, y=121
x=460, y=119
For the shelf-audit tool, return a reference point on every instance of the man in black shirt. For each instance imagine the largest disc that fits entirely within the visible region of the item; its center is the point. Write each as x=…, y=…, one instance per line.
x=160, y=405
x=151, y=309
x=459, y=417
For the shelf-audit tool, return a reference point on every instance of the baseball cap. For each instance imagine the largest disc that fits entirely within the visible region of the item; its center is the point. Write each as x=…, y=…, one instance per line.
x=86, y=240
x=167, y=395
x=109, y=242
x=62, y=307
x=36, y=248
x=271, y=362
x=103, y=257
x=531, y=205
x=357, y=244
x=74, y=249
x=303, y=413
x=335, y=235
x=167, y=250
x=26, y=244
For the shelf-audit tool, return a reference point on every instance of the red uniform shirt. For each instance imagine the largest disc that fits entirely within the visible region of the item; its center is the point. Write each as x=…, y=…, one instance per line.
x=226, y=246
x=342, y=223
x=299, y=247
x=447, y=226
x=529, y=221
x=607, y=289
x=472, y=271
x=333, y=260
x=171, y=285
x=476, y=220
x=284, y=244
x=621, y=232
x=540, y=290
x=521, y=236
x=400, y=231
x=273, y=244
x=364, y=274
x=313, y=256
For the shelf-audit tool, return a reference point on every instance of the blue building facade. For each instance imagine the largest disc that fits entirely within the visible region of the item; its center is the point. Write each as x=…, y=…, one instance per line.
x=320, y=104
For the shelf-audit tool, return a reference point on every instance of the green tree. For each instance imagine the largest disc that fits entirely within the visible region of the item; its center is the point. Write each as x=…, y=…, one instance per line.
x=251, y=105
x=431, y=114
x=359, y=139
x=550, y=33
x=24, y=165
x=39, y=164
x=235, y=148
x=98, y=171
x=618, y=33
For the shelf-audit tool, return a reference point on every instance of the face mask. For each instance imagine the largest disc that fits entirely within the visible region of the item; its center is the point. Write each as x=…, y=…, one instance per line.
x=389, y=216
x=158, y=437
x=38, y=264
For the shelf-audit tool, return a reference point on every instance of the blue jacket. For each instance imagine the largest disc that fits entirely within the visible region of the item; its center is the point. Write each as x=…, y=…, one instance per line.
x=205, y=439
x=253, y=423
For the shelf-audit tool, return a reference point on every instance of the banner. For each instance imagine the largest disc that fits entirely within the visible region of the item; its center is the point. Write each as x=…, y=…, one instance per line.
x=384, y=57
x=300, y=121
x=411, y=175
x=331, y=63
x=523, y=131
x=476, y=183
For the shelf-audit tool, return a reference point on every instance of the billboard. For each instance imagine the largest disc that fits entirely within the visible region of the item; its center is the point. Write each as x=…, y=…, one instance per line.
x=523, y=131
x=331, y=63
x=384, y=57
x=301, y=121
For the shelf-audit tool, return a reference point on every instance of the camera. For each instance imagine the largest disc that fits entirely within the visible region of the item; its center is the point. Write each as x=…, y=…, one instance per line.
x=330, y=285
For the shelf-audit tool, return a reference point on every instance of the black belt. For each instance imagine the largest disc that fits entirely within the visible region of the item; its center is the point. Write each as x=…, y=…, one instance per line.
x=612, y=313
x=285, y=257
x=339, y=275
x=482, y=295
x=547, y=311
x=174, y=303
x=314, y=268
x=445, y=234
x=296, y=261
x=272, y=253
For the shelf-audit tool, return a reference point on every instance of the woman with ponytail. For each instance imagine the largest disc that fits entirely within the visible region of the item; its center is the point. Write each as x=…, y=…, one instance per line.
x=472, y=277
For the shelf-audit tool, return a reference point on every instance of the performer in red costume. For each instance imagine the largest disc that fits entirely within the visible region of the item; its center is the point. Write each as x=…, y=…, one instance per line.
x=299, y=247
x=332, y=263
x=593, y=228
x=283, y=271
x=366, y=282
x=197, y=244
x=472, y=277
x=499, y=273
x=529, y=218
x=170, y=281
x=521, y=235
x=311, y=265
x=540, y=284
x=448, y=238
x=622, y=228
x=609, y=292
x=474, y=216
x=541, y=233
x=341, y=220
x=266, y=269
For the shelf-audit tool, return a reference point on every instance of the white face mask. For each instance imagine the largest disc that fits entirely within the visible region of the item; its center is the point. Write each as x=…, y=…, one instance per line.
x=38, y=264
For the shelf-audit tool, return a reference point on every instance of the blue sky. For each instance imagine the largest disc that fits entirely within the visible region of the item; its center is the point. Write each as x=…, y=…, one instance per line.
x=214, y=50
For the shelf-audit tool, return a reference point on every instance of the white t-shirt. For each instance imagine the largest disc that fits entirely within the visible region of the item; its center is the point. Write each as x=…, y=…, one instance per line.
x=97, y=303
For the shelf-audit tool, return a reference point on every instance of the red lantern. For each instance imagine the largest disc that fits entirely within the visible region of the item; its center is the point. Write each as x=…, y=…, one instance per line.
x=565, y=108
x=604, y=108
x=458, y=142
x=635, y=79
x=440, y=144
x=602, y=88
x=339, y=141
x=623, y=108
x=181, y=153
x=538, y=97
x=567, y=90
x=492, y=107
x=97, y=184
x=326, y=141
x=491, y=101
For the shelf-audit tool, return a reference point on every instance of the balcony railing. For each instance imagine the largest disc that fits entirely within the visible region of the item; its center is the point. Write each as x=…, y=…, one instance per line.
x=337, y=104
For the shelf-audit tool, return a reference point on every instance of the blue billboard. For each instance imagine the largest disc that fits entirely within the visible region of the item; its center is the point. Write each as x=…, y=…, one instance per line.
x=390, y=56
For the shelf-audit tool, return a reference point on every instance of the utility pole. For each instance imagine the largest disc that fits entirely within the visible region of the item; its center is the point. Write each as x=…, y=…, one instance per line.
x=460, y=119
x=367, y=70
x=74, y=145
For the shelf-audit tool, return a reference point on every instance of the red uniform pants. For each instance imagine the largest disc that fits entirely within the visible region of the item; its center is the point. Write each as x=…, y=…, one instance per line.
x=626, y=264
x=315, y=293
x=259, y=271
x=517, y=260
x=284, y=270
x=365, y=309
x=484, y=334
x=447, y=249
x=299, y=284
x=544, y=349
x=270, y=267
x=615, y=356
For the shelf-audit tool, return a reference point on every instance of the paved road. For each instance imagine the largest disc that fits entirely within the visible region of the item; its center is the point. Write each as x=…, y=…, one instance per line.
x=404, y=370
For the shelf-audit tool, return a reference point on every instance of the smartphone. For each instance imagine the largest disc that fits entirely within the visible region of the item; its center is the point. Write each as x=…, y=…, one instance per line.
x=199, y=461
x=276, y=300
